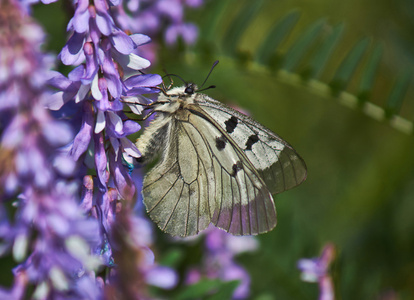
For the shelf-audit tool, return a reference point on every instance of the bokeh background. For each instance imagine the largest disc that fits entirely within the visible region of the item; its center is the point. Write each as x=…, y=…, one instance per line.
x=360, y=187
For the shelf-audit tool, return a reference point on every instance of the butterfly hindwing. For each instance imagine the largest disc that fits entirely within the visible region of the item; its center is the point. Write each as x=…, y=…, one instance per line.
x=276, y=161
x=176, y=190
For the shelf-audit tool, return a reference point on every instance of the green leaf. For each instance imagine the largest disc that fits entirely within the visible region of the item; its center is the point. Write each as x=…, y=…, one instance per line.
x=397, y=94
x=239, y=25
x=301, y=46
x=279, y=32
x=348, y=66
x=216, y=11
x=369, y=74
x=226, y=290
x=324, y=52
x=172, y=258
x=207, y=289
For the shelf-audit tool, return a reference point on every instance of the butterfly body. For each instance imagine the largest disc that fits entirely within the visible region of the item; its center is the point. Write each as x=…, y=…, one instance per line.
x=217, y=166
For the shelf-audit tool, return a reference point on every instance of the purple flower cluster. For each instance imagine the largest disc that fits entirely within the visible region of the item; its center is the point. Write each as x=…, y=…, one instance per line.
x=136, y=267
x=49, y=234
x=317, y=270
x=99, y=84
x=218, y=261
x=158, y=17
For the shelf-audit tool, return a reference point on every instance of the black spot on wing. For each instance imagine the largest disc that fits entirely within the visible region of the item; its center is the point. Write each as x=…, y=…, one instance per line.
x=221, y=142
x=236, y=168
x=231, y=124
x=253, y=139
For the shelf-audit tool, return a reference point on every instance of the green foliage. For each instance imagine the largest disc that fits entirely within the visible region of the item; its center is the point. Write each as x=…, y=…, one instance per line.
x=308, y=55
x=209, y=289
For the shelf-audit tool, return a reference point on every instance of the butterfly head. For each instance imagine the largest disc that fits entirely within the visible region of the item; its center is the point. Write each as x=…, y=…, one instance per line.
x=177, y=98
x=190, y=88
x=182, y=92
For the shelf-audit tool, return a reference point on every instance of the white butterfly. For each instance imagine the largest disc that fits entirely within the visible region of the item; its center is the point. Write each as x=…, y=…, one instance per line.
x=217, y=166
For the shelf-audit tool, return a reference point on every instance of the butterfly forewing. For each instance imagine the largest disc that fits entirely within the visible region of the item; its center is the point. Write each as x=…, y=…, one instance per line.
x=243, y=204
x=276, y=161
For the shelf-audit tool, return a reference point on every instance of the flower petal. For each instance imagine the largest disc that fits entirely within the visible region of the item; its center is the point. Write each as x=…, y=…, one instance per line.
x=131, y=127
x=130, y=148
x=133, y=103
x=143, y=80
x=188, y=32
x=91, y=65
x=116, y=122
x=136, y=62
x=58, y=80
x=122, y=42
x=100, y=159
x=162, y=277
x=173, y=9
x=103, y=20
x=80, y=21
x=194, y=3
x=114, y=84
x=100, y=121
x=57, y=133
x=72, y=50
x=96, y=92
x=83, y=138
x=140, y=39
x=122, y=180
x=55, y=101
x=77, y=73
x=82, y=93
x=87, y=194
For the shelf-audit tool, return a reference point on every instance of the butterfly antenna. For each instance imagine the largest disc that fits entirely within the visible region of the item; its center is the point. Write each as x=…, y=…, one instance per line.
x=169, y=75
x=208, y=75
x=207, y=88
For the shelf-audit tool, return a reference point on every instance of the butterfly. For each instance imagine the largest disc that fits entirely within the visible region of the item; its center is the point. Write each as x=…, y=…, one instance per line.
x=216, y=166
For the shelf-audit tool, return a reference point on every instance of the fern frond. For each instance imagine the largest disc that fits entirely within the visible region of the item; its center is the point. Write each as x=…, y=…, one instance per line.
x=320, y=59
x=394, y=102
x=277, y=35
x=302, y=45
x=239, y=26
x=348, y=66
x=309, y=56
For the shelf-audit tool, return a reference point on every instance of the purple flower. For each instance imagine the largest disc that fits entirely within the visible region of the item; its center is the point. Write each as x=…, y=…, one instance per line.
x=132, y=237
x=218, y=261
x=317, y=270
x=194, y=3
x=188, y=32
x=158, y=16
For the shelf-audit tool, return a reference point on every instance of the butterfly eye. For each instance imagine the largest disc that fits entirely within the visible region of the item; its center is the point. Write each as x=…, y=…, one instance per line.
x=189, y=90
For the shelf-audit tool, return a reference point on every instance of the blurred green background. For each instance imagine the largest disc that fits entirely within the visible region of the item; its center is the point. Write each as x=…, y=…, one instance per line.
x=360, y=188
